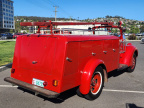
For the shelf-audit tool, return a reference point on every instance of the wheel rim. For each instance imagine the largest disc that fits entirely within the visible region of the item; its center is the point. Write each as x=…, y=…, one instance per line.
x=96, y=83
x=133, y=63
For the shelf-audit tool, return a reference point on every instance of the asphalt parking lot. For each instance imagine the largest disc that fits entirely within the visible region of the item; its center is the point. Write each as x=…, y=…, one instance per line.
x=123, y=90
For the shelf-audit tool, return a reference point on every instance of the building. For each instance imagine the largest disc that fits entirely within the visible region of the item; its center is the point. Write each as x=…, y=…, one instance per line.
x=82, y=29
x=6, y=16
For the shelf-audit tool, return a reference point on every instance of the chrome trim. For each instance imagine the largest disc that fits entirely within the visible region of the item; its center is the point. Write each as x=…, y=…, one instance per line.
x=93, y=53
x=114, y=50
x=34, y=62
x=105, y=52
x=68, y=59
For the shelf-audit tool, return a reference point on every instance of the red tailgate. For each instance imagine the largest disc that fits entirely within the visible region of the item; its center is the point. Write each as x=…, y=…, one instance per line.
x=37, y=53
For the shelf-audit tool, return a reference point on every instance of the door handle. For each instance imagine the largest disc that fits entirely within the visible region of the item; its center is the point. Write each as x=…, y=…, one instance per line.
x=93, y=53
x=105, y=52
x=68, y=59
x=114, y=50
x=34, y=62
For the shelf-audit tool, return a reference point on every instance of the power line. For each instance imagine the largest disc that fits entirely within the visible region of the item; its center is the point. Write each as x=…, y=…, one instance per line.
x=47, y=4
x=41, y=5
x=70, y=18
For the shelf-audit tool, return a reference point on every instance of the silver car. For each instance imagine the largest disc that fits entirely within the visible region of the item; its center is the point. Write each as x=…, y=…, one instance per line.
x=142, y=39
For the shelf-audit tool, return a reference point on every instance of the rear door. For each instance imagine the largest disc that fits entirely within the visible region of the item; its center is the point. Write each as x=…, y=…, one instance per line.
x=37, y=53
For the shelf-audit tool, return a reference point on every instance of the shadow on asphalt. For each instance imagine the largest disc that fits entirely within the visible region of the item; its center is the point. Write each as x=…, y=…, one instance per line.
x=6, y=67
x=61, y=98
x=72, y=92
x=131, y=105
x=116, y=73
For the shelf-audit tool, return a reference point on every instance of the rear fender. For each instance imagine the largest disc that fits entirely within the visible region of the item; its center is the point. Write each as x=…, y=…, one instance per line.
x=126, y=58
x=87, y=74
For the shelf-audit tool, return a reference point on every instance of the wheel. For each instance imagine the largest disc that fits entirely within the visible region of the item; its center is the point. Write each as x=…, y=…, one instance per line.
x=79, y=93
x=97, y=83
x=133, y=64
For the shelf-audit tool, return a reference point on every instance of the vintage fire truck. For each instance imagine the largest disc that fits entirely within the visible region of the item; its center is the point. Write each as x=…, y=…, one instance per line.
x=51, y=63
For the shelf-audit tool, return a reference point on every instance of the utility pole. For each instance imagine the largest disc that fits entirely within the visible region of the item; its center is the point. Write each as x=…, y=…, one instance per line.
x=55, y=11
x=70, y=18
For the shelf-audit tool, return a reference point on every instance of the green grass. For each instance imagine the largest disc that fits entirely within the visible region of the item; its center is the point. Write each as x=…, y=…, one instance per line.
x=6, y=52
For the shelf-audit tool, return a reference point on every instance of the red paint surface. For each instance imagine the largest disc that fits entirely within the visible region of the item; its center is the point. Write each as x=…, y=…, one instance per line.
x=127, y=57
x=44, y=57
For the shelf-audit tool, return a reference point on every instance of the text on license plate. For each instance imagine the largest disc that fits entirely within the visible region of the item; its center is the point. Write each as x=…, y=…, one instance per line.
x=38, y=82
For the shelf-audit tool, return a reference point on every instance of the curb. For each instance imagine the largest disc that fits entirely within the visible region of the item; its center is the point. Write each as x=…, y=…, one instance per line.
x=2, y=68
x=133, y=40
x=9, y=40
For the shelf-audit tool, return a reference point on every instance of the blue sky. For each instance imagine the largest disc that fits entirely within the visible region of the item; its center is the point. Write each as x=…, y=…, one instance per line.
x=130, y=9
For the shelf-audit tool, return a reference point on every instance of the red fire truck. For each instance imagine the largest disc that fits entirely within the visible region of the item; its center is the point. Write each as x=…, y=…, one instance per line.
x=49, y=64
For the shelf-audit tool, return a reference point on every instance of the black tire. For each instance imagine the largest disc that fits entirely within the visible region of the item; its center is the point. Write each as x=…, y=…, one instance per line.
x=97, y=83
x=79, y=93
x=132, y=67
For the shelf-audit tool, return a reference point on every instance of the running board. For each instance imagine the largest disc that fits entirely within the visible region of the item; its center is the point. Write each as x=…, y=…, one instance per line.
x=122, y=66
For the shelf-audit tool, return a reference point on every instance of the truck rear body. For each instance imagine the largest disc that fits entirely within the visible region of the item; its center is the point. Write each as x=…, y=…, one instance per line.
x=43, y=57
x=53, y=63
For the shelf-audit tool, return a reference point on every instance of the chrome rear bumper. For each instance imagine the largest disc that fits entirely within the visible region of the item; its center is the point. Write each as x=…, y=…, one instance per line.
x=36, y=89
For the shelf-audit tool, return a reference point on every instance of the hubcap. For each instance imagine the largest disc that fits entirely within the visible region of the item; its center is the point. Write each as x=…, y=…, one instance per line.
x=133, y=63
x=96, y=83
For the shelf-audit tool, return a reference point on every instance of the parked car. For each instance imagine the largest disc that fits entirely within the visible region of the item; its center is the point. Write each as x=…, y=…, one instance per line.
x=10, y=35
x=17, y=35
x=3, y=36
x=139, y=34
x=6, y=36
x=49, y=64
x=126, y=34
x=142, y=39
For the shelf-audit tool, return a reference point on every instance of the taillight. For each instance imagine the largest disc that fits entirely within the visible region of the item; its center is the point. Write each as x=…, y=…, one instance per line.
x=55, y=83
x=12, y=70
x=45, y=83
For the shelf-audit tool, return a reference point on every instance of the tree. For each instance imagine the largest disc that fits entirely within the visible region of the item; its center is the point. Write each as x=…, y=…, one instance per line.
x=142, y=28
x=17, y=27
x=115, y=30
x=134, y=29
x=127, y=31
x=11, y=30
x=124, y=25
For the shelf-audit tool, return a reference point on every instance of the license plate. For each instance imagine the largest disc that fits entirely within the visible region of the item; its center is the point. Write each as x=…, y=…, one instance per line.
x=38, y=82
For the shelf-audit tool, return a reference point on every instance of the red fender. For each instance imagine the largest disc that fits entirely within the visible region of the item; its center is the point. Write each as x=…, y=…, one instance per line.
x=87, y=75
x=125, y=58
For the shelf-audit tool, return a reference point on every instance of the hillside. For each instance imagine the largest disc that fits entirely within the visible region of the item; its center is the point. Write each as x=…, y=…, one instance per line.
x=132, y=26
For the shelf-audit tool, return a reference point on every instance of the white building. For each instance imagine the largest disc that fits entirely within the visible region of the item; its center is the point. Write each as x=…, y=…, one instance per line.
x=83, y=29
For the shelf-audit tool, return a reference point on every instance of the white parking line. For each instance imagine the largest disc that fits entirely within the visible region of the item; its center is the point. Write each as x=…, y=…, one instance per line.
x=124, y=91
x=7, y=86
x=108, y=90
